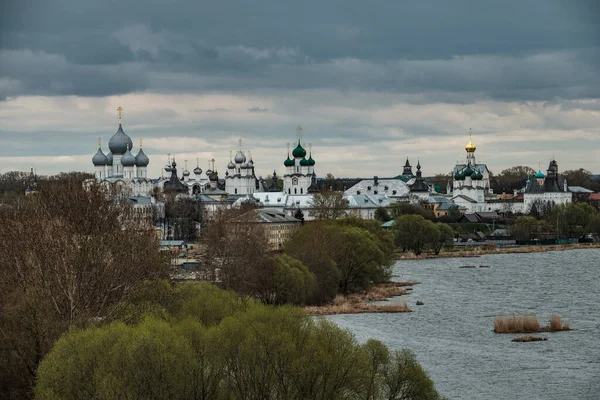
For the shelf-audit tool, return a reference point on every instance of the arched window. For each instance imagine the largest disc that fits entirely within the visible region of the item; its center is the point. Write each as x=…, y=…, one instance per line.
x=295, y=191
x=301, y=191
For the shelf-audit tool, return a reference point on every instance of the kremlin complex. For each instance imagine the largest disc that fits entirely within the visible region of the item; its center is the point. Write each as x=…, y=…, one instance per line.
x=123, y=170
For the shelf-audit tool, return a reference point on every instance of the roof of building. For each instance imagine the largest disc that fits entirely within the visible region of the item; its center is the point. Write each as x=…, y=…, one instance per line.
x=467, y=198
x=266, y=217
x=579, y=189
x=178, y=243
x=388, y=224
x=390, y=187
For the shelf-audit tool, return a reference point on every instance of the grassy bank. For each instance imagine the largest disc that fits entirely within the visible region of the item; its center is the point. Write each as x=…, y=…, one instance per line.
x=358, y=303
x=476, y=251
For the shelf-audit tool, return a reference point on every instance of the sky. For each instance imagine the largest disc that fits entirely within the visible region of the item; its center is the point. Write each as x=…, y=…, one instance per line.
x=370, y=82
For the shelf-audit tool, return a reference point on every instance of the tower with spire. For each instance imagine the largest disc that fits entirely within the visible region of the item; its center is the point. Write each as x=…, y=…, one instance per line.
x=299, y=170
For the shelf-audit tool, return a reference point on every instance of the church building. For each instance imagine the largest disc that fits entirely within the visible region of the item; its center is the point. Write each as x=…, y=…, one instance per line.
x=299, y=177
x=119, y=168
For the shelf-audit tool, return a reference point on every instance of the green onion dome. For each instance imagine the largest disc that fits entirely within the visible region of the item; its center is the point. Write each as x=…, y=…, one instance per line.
x=304, y=162
x=477, y=176
x=468, y=171
x=459, y=176
x=540, y=175
x=289, y=162
x=311, y=162
x=299, y=151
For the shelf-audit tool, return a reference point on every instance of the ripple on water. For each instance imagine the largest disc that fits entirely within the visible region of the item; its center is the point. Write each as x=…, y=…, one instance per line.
x=452, y=333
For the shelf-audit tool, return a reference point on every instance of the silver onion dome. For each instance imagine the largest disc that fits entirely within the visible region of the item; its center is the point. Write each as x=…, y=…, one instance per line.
x=99, y=158
x=109, y=158
x=119, y=142
x=197, y=171
x=128, y=160
x=141, y=159
x=230, y=165
x=240, y=157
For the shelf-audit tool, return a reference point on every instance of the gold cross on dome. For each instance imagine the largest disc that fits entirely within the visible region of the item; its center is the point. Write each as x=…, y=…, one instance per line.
x=120, y=112
x=299, y=130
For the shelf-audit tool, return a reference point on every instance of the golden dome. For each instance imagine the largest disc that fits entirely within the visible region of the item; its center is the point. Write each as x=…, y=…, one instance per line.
x=470, y=147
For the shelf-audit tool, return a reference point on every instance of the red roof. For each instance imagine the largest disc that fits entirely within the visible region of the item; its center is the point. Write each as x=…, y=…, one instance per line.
x=594, y=196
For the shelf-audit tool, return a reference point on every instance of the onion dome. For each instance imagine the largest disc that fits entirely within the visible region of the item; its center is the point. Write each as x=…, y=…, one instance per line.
x=477, y=176
x=289, y=162
x=250, y=164
x=213, y=176
x=244, y=165
x=299, y=151
x=168, y=168
x=458, y=176
x=231, y=165
x=119, y=142
x=141, y=159
x=311, y=162
x=209, y=172
x=186, y=173
x=240, y=157
x=109, y=158
x=128, y=160
x=99, y=158
x=470, y=147
x=540, y=175
x=468, y=171
x=304, y=162
x=197, y=171
x=528, y=181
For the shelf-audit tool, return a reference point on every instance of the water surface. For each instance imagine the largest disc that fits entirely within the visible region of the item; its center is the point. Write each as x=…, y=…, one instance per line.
x=452, y=333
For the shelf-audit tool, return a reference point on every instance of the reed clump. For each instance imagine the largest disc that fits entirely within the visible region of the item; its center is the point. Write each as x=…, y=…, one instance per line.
x=528, y=324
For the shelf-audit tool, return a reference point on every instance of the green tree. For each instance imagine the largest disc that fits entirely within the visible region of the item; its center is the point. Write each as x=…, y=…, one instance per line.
x=382, y=214
x=399, y=209
x=445, y=238
x=253, y=352
x=413, y=232
x=524, y=227
x=571, y=219
x=69, y=256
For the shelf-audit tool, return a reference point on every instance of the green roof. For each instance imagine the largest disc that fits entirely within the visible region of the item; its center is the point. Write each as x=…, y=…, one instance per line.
x=299, y=150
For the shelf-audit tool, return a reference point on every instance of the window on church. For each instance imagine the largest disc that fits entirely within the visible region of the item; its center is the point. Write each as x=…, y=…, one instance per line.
x=236, y=191
x=301, y=191
x=295, y=191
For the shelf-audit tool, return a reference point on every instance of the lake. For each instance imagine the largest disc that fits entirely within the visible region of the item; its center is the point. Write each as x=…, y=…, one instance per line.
x=452, y=333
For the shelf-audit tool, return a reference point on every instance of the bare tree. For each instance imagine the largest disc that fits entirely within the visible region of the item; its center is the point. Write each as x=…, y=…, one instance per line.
x=329, y=204
x=68, y=256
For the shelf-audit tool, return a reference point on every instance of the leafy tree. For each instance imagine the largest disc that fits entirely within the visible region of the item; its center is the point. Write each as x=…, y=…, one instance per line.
x=571, y=219
x=511, y=178
x=413, y=232
x=524, y=227
x=382, y=214
x=445, y=238
x=398, y=209
x=299, y=215
x=329, y=204
x=287, y=281
x=68, y=257
x=252, y=352
x=578, y=177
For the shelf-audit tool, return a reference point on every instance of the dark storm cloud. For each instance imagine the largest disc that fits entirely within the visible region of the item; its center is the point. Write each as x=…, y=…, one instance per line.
x=448, y=51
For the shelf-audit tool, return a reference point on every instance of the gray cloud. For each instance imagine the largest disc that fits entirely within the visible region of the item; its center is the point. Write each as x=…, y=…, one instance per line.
x=459, y=52
x=257, y=109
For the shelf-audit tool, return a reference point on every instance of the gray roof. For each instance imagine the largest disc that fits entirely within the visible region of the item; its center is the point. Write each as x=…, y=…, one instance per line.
x=391, y=187
x=579, y=189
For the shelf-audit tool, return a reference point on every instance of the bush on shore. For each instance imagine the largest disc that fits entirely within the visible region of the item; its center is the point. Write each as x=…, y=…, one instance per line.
x=232, y=347
x=528, y=324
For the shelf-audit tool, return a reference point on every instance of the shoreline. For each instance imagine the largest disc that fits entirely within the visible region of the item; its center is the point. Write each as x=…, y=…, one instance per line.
x=358, y=303
x=479, y=251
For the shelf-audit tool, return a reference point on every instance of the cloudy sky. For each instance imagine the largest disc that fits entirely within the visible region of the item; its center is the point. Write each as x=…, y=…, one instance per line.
x=370, y=82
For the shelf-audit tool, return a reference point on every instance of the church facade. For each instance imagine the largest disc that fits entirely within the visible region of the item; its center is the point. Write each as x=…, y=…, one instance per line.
x=299, y=177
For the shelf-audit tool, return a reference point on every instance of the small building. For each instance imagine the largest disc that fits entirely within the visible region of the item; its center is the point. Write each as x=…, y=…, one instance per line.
x=278, y=226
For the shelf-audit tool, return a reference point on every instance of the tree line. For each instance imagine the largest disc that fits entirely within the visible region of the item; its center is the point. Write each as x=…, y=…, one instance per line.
x=195, y=341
